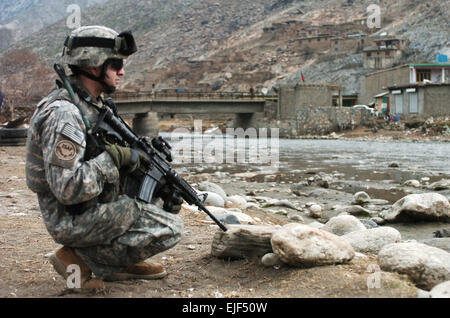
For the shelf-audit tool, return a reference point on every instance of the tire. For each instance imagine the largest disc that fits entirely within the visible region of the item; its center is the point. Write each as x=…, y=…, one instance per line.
x=6, y=133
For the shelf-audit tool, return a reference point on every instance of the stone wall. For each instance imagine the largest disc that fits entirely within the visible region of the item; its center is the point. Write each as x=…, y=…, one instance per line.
x=318, y=121
x=291, y=98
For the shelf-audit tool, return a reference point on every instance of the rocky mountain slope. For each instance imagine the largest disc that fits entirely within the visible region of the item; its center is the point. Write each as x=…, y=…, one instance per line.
x=234, y=45
x=20, y=18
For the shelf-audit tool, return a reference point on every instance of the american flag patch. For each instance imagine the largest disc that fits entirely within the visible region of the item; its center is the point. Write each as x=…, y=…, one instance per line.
x=73, y=134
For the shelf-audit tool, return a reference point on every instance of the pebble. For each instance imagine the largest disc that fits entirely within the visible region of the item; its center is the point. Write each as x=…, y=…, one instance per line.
x=270, y=260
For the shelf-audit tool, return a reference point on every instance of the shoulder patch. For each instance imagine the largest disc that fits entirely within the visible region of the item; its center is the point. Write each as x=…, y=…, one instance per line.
x=73, y=134
x=65, y=150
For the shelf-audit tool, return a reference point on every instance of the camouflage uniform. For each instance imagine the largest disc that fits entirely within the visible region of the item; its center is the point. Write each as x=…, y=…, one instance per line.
x=110, y=231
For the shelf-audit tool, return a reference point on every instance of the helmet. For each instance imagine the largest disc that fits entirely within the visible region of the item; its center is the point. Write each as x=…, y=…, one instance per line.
x=91, y=46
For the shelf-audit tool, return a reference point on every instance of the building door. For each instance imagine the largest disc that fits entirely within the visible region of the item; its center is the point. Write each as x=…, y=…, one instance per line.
x=413, y=103
x=398, y=104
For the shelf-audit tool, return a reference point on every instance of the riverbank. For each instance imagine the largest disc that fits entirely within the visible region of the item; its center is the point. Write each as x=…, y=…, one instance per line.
x=383, y=132
x=194, y=272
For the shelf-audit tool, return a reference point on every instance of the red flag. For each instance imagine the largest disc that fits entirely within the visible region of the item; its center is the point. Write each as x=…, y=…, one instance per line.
x=303, y=78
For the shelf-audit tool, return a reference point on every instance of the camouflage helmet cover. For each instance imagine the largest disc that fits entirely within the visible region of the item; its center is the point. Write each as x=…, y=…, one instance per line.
x=91, y=56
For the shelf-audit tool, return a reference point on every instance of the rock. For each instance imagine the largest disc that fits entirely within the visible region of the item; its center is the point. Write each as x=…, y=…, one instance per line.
x=369, y=224
x=393, y=165
x=379, y=202
x=359, y=255
x=372, y=240
x=442, y=243
x=316, y=225
x=242, y=217
x=295, y=217
x=251, y=206
x=302, y=245
x=212, y=187
x=243, y=241
x=235, y=212
x=286, y=203
x=412, y=183
x=235, y=201
x=213, y=199
x=343, y=224
x=225, y=218
x=315, y=211
x=317, y=193
x=442, y=233
x=441, y=290
x=270, y=260
x=361, y=198
x=355, y=210
x=424, y=206
x=440, y=185
x=423, y=293
x=245, y=175
x=378, y=220
x=425, y=265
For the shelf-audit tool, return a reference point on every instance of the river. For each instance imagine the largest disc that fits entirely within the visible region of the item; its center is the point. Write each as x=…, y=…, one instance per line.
x=360, y=160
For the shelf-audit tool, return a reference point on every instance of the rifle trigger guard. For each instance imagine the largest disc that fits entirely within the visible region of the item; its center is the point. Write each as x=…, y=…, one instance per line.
x=205, y=195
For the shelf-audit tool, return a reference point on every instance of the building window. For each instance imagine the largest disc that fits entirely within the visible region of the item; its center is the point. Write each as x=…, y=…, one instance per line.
x=422, y=75
x=336, y=41
x=387, y=53
x=369, y=54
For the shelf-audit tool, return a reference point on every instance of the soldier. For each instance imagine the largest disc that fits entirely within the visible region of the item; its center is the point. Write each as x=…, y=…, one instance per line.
x=102, y=230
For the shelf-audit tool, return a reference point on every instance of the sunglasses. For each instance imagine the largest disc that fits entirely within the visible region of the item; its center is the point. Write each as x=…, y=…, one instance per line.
x=116, y=64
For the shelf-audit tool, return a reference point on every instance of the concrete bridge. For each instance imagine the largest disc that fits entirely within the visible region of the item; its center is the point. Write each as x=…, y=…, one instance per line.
x=145, y=106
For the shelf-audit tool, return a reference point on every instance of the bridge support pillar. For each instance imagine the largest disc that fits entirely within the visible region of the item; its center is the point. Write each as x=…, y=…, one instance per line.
x=146, y=124
x=244, y=121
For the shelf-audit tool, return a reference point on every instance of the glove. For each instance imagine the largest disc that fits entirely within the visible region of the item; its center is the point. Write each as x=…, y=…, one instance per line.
x=173, y=203
x=124, y=157
x=172, y=199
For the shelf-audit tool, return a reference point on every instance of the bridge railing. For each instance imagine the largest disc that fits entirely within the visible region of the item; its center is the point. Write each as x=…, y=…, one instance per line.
x=192, y=95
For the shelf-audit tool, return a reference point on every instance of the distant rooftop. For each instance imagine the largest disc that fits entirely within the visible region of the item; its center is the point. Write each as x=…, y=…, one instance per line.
x=429, y=64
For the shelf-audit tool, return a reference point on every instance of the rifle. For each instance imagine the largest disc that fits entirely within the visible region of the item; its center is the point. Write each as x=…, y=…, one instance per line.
x=158, y=155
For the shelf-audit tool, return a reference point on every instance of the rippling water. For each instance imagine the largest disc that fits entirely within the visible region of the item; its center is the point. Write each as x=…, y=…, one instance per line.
x=364, y=159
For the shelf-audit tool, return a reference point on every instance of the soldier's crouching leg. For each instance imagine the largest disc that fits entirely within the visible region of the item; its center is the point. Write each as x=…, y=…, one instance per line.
x=154, y=231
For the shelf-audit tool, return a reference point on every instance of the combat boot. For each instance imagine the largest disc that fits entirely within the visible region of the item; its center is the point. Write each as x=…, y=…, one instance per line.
x=66, y=256
x=141, y=270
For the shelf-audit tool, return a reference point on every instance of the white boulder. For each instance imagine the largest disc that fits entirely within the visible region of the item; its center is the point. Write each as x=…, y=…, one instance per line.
x=343, y=224
x=423, y=206
x=301, y=245
x=425, y=265
x=372, y=240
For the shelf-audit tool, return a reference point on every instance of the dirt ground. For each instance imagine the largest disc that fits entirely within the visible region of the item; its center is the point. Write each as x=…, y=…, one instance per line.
x=193, y=272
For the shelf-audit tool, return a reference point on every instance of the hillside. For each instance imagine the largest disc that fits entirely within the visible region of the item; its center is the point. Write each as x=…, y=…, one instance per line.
x=234, y=45
x=20, y=18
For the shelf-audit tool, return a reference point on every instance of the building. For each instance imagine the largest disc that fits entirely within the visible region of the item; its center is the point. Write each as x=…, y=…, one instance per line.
x=291, y=98
x=420, y=99
x=383, y=52
x=414, y=73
